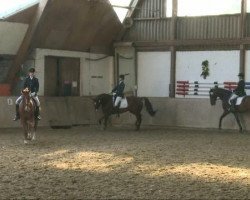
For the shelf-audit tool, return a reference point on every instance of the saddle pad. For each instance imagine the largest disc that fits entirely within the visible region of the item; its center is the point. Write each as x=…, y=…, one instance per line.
x=124, y=103
x=239, y=100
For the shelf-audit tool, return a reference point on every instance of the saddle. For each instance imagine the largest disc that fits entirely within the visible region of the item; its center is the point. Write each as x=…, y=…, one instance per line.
x=124, y=103
x=238, y=100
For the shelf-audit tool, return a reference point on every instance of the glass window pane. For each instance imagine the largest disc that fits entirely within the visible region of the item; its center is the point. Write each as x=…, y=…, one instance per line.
x=9, y=7
x=121, y=12
x=169, y=8
x=208, y=7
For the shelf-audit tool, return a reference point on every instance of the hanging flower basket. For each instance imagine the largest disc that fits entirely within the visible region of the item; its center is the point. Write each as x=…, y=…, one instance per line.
x=205, y=69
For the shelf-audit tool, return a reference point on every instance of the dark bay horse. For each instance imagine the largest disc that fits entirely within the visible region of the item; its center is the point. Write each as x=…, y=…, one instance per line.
x=135, y=105
x=27, y=116
x=224, y=96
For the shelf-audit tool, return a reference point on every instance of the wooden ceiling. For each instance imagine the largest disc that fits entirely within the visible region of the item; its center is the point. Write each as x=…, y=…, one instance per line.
x=74, y=25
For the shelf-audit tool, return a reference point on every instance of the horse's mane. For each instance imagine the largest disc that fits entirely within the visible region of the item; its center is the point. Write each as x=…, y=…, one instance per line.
x=223, y=89
x=223, y=93
x=103, y=97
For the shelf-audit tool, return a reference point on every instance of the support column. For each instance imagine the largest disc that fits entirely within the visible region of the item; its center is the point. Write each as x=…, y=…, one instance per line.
x=243, y=34
x=173, y=48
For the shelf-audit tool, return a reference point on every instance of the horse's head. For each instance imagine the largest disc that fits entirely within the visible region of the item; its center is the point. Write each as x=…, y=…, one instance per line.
x=102, y=100
x=26, y=93
x=97, y=102
x=219, y=93
x=27, y=103
x=213, y=97
x=213, y=94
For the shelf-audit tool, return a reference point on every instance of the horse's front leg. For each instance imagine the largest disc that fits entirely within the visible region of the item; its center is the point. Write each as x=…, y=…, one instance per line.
x=100, y=120
x=238, y=121
x=222, y=116
x=33, y=130
x=105, y=121
x=25, y=132
x=138, y=122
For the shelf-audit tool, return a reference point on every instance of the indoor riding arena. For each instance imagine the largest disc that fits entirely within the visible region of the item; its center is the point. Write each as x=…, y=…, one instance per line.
x=132, y=99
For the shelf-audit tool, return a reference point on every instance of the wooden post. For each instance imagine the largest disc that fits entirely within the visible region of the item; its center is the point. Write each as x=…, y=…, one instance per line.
x=173, y=48
x=243, y=34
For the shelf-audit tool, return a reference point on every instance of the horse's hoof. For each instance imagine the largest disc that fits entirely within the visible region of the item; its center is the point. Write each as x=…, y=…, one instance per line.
x=25, y=142
x=33, y=138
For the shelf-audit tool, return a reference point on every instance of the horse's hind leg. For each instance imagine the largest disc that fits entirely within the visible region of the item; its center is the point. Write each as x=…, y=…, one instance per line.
x=238, y=121
x=138, y=122
x=105, y=122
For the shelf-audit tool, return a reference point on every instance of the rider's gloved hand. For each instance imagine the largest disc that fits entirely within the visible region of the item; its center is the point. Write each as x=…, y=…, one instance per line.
x=33, y=94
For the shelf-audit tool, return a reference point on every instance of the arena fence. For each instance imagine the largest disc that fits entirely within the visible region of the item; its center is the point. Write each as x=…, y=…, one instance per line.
x=195, y=88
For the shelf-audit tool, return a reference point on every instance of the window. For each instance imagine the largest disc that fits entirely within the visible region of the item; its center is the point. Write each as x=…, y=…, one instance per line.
x=8, y=7
x=208, y=7
x=117, y=5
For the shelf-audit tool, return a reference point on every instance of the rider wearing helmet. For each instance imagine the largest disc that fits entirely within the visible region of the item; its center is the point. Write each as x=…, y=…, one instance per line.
x=32, y=83
x=238, y=92
x=118, y=90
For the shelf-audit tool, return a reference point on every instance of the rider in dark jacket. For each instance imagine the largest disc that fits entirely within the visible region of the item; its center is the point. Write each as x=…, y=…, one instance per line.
x=32, y=83
x=238, y=92
x=118, y=90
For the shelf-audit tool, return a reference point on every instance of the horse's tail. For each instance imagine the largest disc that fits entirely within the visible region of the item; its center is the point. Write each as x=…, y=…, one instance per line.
x=149, y=107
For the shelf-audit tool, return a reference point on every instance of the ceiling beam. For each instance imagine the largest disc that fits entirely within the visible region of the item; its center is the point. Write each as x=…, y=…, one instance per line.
x=131, y=11
x=191, y=42
x=26, y=44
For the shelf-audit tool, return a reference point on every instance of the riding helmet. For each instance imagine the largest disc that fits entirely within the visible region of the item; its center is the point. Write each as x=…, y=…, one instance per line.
x=32, y=70
x=122, y=76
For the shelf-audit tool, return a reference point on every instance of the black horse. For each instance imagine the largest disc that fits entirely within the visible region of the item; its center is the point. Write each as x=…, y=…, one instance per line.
x=135, y=105
x=224, y=95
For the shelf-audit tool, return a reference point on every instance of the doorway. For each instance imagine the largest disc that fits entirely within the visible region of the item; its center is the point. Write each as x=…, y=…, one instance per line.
x=62, y=76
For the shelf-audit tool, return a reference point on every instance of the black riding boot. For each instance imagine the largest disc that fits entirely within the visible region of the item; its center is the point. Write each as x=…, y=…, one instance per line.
x=37, y=114
x=117, y=109
x=17, y=116
x=232, y=107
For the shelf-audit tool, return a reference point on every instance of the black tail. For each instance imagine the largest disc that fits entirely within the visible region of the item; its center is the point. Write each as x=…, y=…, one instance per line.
x=149, y=107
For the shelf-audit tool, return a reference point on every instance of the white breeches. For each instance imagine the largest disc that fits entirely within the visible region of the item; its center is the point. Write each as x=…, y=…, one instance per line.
x=234, y=96
x=19, y=99
x=117, y=101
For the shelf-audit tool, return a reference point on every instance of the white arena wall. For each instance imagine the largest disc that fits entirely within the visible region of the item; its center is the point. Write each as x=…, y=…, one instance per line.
x=153, y=82
x=171, y=112
x=154, y=74
x=11, y=35
x=88, y=68
x=223, y=67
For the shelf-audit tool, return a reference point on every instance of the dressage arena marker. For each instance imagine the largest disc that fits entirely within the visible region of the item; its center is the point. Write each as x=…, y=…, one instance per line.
x=10, y=102
x=195, y=88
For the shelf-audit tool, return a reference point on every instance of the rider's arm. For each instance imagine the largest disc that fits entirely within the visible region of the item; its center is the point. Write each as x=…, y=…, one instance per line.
x=115, y=88
x=25, y=85
x=37, y=87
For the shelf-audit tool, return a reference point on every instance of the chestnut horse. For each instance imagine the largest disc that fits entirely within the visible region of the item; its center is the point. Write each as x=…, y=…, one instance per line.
x=135, y=105
x=27, y=116
x=224, y=95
